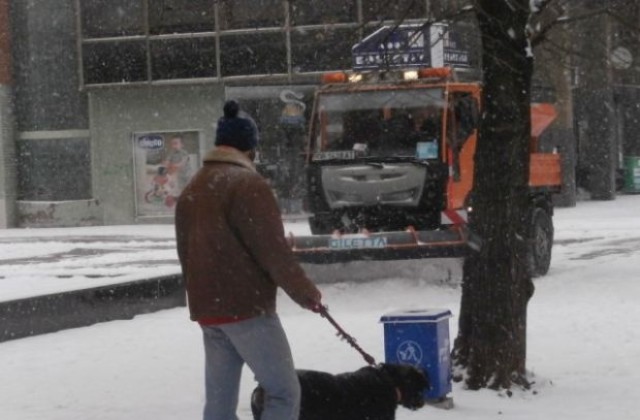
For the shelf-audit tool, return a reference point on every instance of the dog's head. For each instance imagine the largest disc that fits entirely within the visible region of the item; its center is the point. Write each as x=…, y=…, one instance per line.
x=411, y=381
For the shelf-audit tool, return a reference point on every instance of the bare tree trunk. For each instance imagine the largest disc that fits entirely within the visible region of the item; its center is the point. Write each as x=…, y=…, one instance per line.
x=490, y=349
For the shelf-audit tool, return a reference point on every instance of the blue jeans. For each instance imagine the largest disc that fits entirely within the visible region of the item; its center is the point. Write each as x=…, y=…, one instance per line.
x=262, y=344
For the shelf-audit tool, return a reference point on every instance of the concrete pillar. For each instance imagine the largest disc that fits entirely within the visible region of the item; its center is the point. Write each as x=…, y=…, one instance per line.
x=597, y=117
x=8, y=168
x=604, y=140
x=602, y=150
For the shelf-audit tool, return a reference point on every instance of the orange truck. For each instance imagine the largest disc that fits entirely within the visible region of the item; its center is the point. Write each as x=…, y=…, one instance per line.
x=390, y=164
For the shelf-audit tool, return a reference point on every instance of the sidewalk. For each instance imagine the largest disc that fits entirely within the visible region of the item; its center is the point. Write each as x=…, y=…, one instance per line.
x=57, y=278
x=35, y=262
x=54, y=279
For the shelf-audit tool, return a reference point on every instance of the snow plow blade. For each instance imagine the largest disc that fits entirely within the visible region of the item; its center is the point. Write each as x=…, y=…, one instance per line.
x=453, y=242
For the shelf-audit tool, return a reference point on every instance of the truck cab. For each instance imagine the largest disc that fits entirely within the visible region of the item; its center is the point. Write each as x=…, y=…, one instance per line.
x=384, y=155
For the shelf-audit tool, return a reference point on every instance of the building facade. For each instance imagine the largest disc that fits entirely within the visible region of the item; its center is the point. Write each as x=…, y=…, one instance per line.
x=103, y=88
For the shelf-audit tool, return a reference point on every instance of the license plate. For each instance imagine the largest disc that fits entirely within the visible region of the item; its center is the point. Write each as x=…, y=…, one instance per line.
x=358, y=243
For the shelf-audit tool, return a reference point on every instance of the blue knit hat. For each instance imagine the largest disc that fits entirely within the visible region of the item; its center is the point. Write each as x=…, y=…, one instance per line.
x=236, y=129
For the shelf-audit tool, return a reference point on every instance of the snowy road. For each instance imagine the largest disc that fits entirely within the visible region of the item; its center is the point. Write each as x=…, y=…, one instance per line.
x=583, y=341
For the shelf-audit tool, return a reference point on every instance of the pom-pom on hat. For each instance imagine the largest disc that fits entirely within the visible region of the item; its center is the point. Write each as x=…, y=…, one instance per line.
x=236, y=129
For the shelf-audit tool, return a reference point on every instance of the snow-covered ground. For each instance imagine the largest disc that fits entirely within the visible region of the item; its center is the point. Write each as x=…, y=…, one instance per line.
x=42, y=261
x=583, y=341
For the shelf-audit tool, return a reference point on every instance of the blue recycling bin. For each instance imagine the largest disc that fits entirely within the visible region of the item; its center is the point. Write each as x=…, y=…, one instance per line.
x=421, y=338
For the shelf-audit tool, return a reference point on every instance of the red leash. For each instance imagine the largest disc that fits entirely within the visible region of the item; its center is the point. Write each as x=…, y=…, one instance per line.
x=323, y=311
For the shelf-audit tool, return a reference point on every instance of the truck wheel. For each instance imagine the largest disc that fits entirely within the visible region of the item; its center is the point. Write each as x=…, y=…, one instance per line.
x=541, y=242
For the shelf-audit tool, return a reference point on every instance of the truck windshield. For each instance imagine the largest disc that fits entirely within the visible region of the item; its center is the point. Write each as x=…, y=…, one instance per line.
x=381, y=123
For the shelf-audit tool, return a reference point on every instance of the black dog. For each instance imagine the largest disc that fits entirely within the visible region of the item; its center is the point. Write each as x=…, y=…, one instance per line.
x=370, y=393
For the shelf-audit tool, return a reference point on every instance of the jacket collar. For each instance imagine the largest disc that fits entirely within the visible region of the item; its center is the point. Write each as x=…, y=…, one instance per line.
x=228, y=154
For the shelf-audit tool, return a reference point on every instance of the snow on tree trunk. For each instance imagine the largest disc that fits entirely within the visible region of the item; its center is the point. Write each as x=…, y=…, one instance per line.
x=490, y=349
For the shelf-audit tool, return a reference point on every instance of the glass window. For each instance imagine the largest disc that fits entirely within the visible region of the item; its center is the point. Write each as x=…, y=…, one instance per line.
x=313, y=12
x=385, y=123
x=377, y=10
x=183, y=58
x=104, y=18
x=181, y=16
x=114, y=62
x=253, y=54
x=282, y=114
x=54, y=170
x=319, y=50
x=242, y=14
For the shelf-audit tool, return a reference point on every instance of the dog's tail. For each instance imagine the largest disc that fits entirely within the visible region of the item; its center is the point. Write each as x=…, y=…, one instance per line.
x=257, y=402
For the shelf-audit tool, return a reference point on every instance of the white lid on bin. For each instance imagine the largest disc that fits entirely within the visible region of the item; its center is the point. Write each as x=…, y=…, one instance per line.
x=416, y=315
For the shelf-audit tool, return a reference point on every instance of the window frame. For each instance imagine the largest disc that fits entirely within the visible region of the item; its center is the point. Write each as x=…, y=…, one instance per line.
x=290, y=75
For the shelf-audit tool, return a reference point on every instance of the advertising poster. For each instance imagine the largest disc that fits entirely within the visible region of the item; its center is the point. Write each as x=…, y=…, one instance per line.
x=164, y=163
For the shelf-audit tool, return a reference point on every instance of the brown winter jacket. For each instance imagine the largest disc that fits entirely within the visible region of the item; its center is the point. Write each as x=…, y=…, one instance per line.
x=231, y=242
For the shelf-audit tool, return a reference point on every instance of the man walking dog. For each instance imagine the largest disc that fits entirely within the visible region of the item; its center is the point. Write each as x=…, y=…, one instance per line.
x=234, y=255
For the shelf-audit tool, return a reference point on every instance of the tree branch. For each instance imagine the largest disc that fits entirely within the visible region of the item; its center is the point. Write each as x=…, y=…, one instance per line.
x=625, y=23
